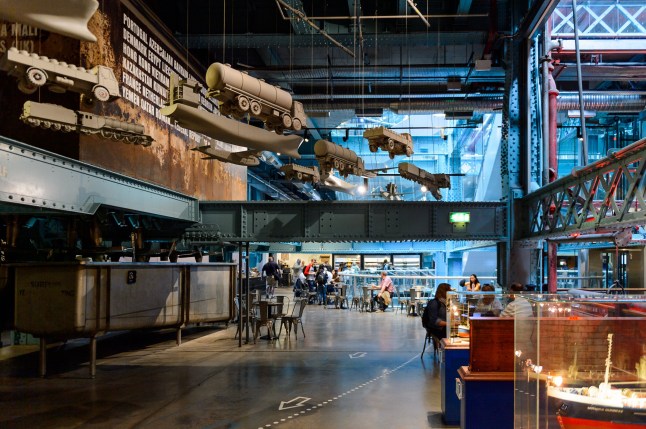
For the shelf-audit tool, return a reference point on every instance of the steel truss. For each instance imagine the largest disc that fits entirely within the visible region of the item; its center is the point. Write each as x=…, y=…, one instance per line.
x=609, y=194
x=601, y=19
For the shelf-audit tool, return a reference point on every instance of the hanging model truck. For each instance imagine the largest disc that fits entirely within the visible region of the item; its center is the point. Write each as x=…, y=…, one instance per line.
x=432, y=181
x=301, y=173
x=34, y=71
x=240, y=93
x=389, y=141
x=345, y=161
x=58, y=118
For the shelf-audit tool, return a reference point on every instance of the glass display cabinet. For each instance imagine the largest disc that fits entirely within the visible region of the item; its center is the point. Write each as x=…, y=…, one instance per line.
x=580, y=362
x=461, y=306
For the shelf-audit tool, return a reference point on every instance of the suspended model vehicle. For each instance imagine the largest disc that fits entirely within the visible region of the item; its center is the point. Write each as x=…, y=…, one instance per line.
x=240, y=93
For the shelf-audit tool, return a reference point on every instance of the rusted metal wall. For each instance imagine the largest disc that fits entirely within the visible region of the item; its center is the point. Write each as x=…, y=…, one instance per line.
x=169, y=161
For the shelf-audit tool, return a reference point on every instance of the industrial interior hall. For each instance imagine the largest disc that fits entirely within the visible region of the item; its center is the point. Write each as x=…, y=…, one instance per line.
x=297, y=213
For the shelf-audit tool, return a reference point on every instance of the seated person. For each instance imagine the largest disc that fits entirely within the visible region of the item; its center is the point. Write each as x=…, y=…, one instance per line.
x=386, y=291
x=335, y=276
x=517, y=307
x=473, y=284
x=488, y=305
x=434, y=317
x=299, y=286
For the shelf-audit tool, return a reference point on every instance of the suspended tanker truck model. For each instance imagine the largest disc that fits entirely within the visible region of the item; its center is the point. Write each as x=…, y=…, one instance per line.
x=389, y=141
x=58, y=118
x=34, y=71
x=240, y=93
x=432, y=181
x=301, y=173
x=332, y=156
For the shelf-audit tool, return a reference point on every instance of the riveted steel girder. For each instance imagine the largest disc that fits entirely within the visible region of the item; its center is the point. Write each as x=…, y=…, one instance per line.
x=609, y=194
x=345, y=221
x=35, y=179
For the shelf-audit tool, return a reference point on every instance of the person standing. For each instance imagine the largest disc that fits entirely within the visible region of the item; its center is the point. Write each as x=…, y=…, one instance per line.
x=321, y=282
x=385, y=265
x=297, y=269
x=386, y=290
x=270, y=271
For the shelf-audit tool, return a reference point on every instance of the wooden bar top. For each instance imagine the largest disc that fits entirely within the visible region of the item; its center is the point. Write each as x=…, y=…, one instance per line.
x=467, y=375
x=456, y=344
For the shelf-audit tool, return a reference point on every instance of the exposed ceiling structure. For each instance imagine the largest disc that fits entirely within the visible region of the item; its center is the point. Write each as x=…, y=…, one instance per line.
x=345, y=59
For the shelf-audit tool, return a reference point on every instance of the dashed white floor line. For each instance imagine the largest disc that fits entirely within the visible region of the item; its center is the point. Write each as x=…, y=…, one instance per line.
x=388, y=372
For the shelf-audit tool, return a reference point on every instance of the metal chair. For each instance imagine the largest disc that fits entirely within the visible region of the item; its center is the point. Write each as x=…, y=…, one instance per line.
x=294, y=320
x=430, y=337
x=262, y=319
x=279, y=309
x=342, y=297
x=411, y=308
x=243, y=316
x=365, y=298
x=330, y=298
x=402, y=302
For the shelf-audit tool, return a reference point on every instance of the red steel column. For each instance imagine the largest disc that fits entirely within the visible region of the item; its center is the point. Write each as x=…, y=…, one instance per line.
x=551, y=246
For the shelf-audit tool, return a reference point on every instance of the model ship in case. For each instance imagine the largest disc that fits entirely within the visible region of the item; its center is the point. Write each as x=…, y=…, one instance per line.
x=620, y=405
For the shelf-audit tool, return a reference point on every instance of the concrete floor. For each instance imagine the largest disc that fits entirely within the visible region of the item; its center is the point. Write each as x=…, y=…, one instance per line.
x=352, y=370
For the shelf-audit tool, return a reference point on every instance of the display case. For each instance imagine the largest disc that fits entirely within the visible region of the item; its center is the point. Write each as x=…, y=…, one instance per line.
x=461, y=306
x=580, y=362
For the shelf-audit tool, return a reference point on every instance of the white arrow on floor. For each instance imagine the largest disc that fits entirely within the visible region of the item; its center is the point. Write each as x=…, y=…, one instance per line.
x=299, y=401
x=357, y=355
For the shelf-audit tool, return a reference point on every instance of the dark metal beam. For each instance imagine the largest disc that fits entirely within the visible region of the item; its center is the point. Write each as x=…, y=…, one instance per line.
x=536, y=17
x=242, y=41
x=345, y=221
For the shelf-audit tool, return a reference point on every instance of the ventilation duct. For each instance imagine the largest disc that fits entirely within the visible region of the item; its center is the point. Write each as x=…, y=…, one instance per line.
x=601, y=102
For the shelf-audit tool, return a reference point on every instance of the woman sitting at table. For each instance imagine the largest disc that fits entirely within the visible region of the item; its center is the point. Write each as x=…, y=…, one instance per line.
x=385, y=292
x=473, y=284
x=434, y=317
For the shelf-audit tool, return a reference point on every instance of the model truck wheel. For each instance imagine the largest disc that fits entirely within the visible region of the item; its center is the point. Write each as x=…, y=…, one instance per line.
x=25, y=87
x=299, y=175
x=287, y=121
x=409, y=151
x=101, y=93
x=390, y=144
x=256, y=108
x=373, y=148
x=243, y=103
x=36, y=76
x=297, y=125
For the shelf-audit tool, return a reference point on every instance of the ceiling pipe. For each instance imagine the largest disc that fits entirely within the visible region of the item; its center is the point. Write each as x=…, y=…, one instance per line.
x=378, y=17
x=605, y=102
x=322, y=32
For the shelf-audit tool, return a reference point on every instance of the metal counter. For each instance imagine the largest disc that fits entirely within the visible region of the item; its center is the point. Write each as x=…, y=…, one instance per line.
x=72, y=300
